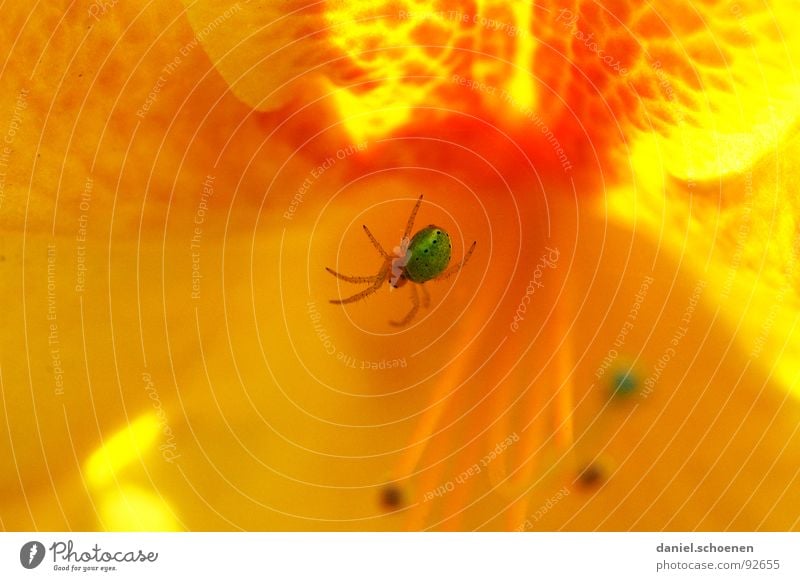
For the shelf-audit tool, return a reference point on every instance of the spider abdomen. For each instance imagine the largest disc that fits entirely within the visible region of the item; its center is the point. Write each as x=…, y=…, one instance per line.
x=430, y=254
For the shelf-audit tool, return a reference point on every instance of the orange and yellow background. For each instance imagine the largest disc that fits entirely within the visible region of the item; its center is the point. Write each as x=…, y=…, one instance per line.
x=176, y=176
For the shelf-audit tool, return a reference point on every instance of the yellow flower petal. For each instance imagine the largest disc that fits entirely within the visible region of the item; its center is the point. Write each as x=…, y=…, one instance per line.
x=200, y=296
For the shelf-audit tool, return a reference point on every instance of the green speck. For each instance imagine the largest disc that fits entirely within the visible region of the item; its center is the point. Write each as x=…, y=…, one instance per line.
x=623, y=383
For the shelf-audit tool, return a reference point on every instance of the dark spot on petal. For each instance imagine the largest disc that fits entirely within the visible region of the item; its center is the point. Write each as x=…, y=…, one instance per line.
x=391, y=497
x=591, y=476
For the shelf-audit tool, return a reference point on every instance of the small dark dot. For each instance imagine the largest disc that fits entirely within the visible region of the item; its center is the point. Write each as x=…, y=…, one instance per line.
x=426, y=251
x=591, y=476
x=391, y=497
x=623, y=383
x=435, y=241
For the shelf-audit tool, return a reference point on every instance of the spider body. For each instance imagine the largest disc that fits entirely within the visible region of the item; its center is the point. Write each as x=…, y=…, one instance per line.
x=424, y=257
x=430, y=254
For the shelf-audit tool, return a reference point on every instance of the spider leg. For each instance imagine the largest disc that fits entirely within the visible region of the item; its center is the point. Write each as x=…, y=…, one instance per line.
x=346, y=278
x=378, y=281
x=456, y=267
x=414, y=308
x=426, y=296
x=410, y=223
x=376, y=244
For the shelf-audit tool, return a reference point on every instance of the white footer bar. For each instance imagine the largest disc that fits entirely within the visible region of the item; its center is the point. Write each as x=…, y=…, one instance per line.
x=400, y=556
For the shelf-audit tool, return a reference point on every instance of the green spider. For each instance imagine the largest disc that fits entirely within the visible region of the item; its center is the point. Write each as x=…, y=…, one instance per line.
x=422, y=258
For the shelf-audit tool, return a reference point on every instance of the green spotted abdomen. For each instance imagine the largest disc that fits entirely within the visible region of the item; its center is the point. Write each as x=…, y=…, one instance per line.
x=430, y=254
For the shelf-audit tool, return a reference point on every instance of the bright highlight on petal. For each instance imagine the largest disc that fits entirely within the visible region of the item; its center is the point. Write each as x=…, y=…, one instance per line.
x=126, y=447
x=408, y=53
x=742, y=233
x=716, y=83
x=129, y=508
x=402, y=52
